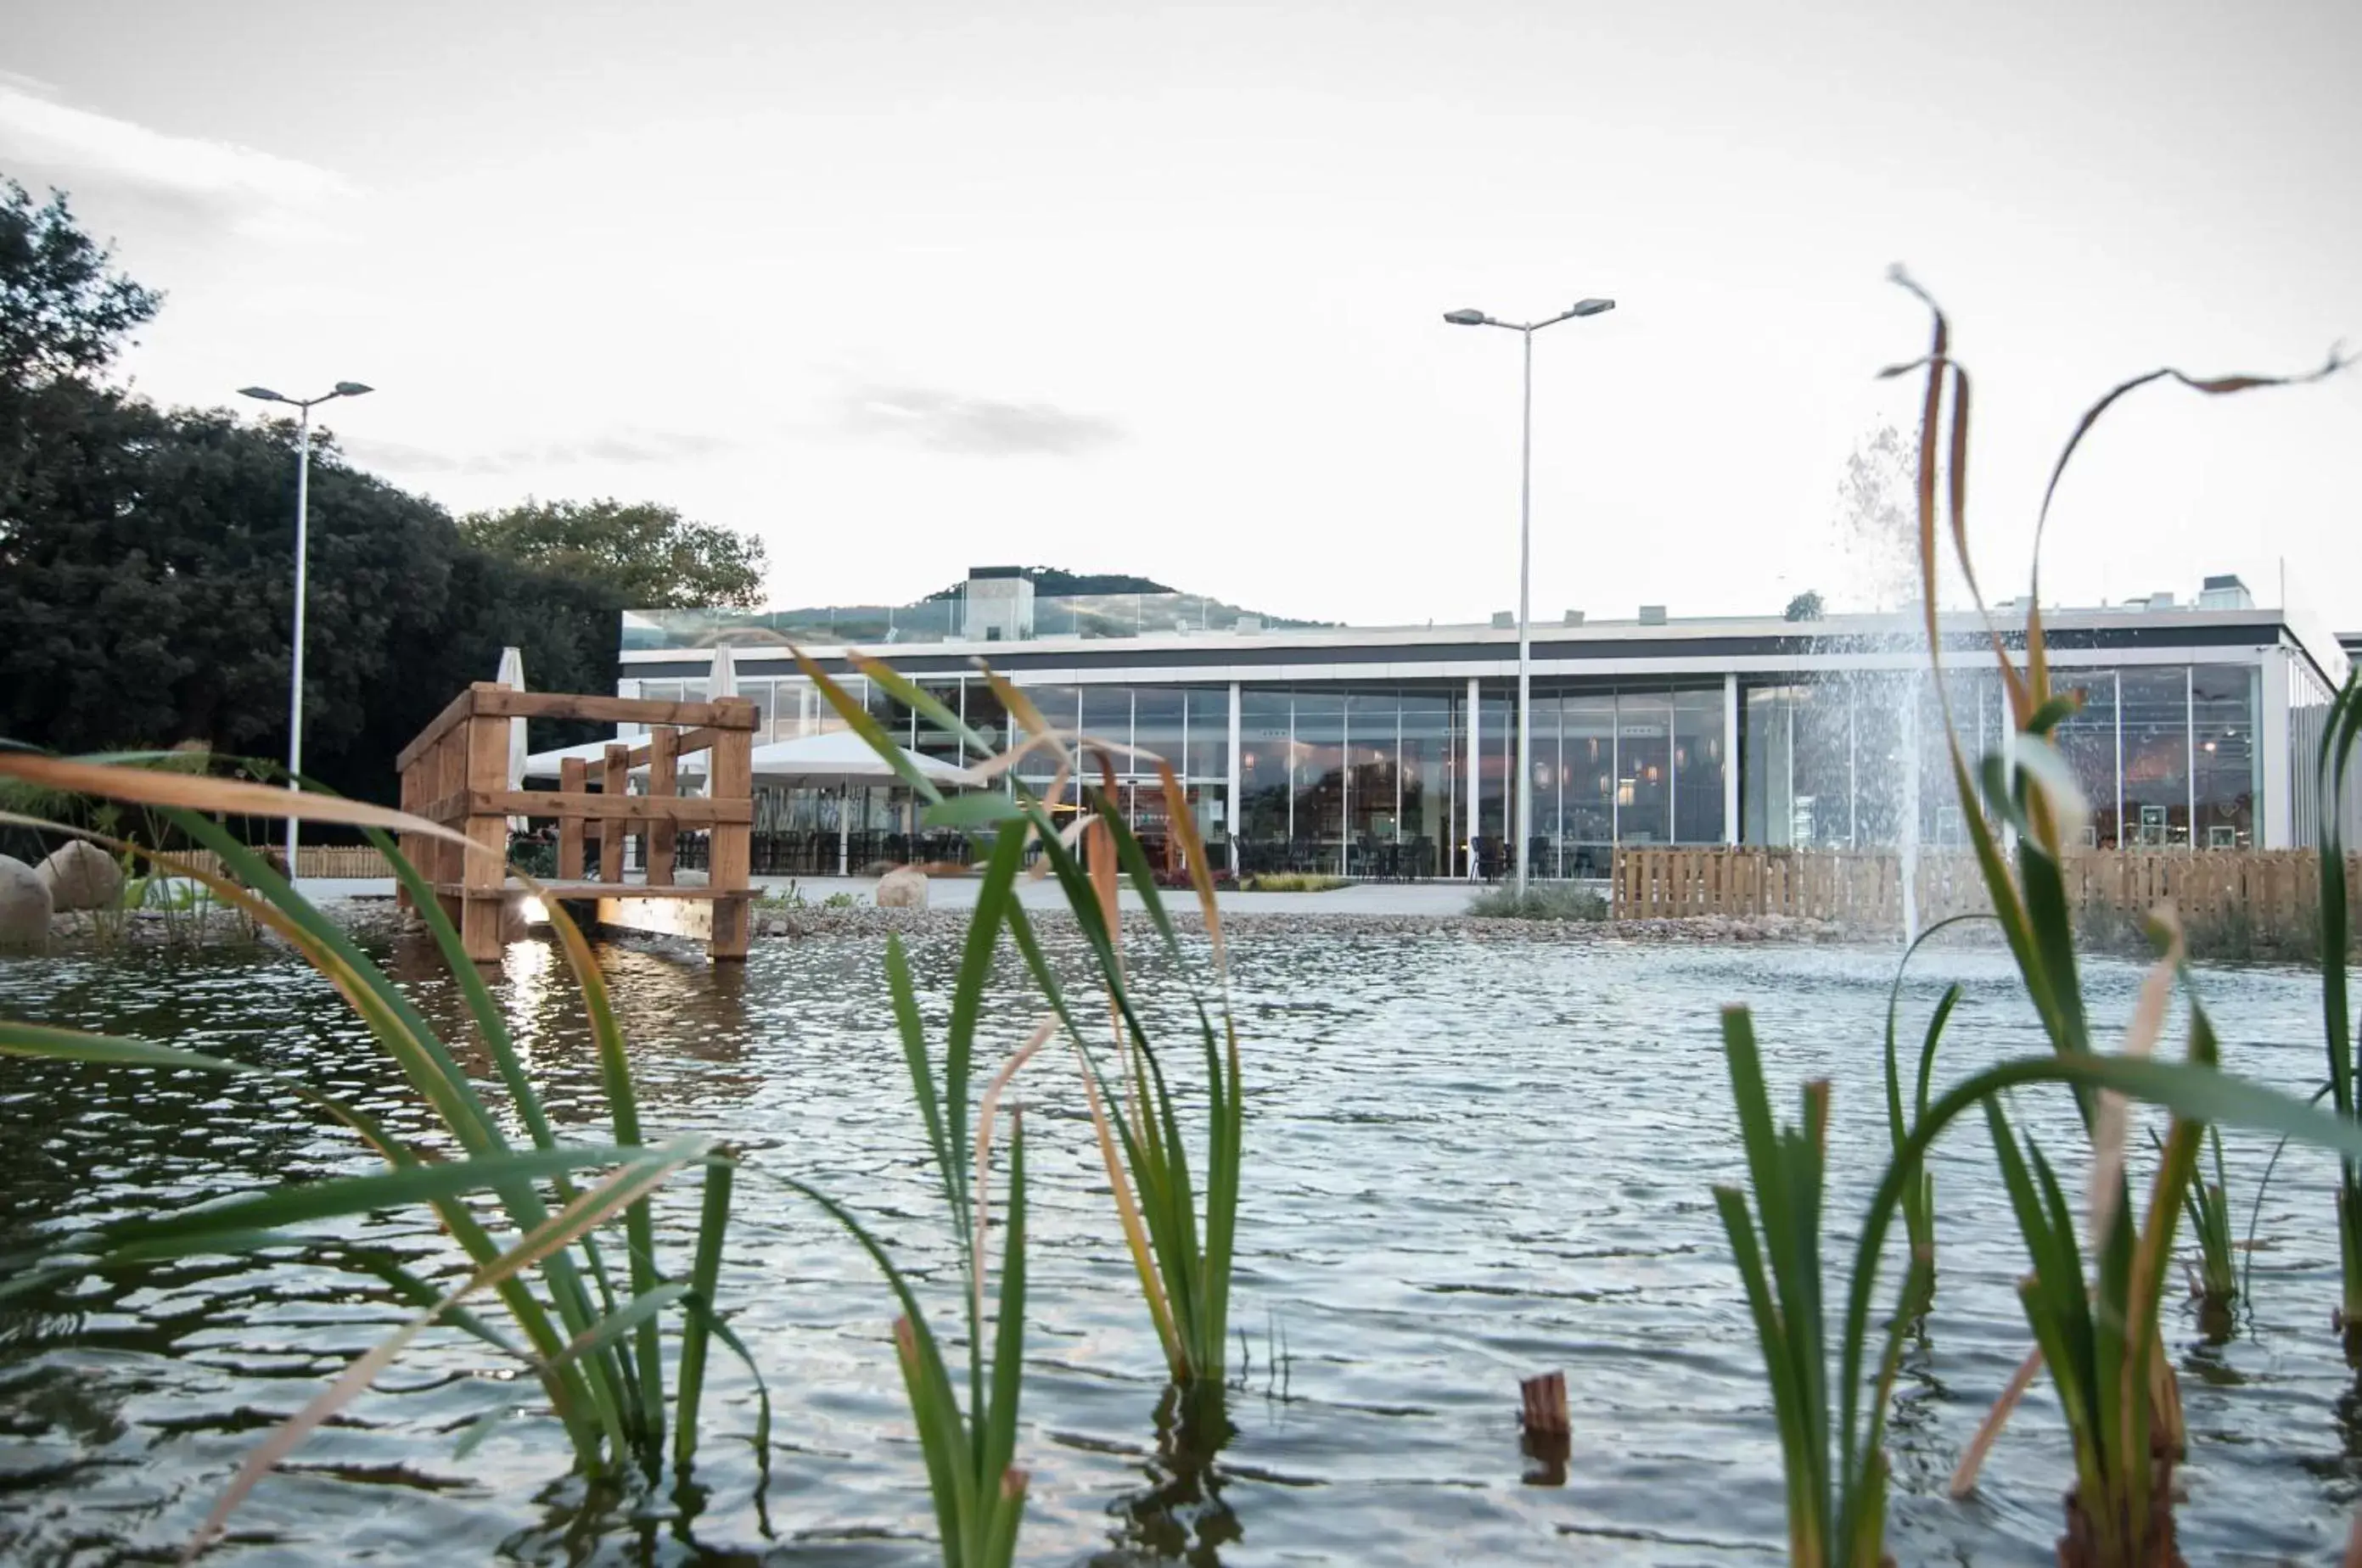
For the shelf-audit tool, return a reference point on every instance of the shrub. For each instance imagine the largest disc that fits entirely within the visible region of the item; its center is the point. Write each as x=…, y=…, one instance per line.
x=1539, y=903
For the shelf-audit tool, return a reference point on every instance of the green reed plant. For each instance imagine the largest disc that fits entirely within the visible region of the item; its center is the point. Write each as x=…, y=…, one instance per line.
x=978, y=1489
x=588, y=1335
x=1831, y=1436
x=2340, y=737
x=2207, y=1206
x=1182, y=1241
x=1919, y=1197
x=2100, y=1334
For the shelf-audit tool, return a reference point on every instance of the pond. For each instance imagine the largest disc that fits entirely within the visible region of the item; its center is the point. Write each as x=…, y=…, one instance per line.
x=1469, y=1161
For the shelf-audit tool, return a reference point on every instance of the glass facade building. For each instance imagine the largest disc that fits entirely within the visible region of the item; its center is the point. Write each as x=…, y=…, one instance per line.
x=1395, y=753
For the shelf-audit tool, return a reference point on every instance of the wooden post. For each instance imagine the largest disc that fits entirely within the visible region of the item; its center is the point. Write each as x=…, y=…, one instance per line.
x=450, y=783
x=573, y=778
x=616, y=781
x=487, y=855
x=1547, y=1432
x=664, y=783
x=408, y=842
x=730, y=776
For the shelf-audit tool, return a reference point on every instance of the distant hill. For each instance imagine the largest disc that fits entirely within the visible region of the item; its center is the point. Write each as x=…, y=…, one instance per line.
x=1059, y=582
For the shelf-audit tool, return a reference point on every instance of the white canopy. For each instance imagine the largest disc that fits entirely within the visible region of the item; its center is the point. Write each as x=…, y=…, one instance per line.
x=841, y=756
x=547, y=765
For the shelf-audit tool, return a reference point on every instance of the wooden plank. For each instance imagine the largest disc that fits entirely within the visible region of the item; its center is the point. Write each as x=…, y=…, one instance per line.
x=487, y=741
x=457, y=709
x=689, y=811
x=664, y=785
x=730, y=781
x=729, y=713
x=408, y=842
x=616, y=781
x=572, y=891
x=450, y=778
x=573, y=778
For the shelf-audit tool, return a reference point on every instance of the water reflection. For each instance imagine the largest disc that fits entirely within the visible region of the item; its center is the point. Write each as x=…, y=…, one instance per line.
x=1180, y=1516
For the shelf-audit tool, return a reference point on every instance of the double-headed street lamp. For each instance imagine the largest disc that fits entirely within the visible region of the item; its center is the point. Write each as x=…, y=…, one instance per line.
x=1524, y=784
x=303, y=406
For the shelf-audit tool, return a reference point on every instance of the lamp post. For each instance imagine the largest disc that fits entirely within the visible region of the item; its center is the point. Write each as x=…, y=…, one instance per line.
x=1526, y=330
x=303, y=406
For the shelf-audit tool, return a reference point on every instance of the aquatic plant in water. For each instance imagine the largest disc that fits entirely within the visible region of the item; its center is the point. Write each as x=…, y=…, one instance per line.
x=2099, y=1335
x=591, y=1336
x=2340, y=739
x=978, y=1489
x=1181, y=1244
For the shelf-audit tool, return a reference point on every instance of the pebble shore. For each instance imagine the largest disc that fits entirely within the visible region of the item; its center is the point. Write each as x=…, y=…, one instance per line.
x=862, y=920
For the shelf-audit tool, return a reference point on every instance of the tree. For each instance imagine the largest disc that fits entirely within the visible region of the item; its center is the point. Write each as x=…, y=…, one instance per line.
x=147, y=558
x=1805, y=606
x=62, y=312
x=648, y=555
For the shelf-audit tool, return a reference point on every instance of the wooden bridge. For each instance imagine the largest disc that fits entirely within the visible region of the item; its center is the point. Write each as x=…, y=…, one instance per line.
x=455, y=773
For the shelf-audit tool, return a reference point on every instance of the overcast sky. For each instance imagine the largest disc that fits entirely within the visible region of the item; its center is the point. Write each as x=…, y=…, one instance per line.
x=905, y=287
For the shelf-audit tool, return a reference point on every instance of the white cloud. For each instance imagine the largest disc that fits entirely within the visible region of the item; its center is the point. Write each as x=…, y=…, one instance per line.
x=255, y=193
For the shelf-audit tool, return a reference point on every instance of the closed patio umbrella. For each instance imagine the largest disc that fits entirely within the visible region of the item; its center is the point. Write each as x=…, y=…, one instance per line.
x=512, y=676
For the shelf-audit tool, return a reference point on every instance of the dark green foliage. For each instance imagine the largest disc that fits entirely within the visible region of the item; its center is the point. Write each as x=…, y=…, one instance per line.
x=62, y=312
x=1805, y=606
x=644, y=555
x=146, y=558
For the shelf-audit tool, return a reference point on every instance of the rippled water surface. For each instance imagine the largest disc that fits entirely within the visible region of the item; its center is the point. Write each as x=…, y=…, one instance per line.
x=1469, y=1161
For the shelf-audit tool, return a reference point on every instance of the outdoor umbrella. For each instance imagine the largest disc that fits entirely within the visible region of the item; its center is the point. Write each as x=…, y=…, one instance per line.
x=512, y=676
x=840, y=757
x=550, y=764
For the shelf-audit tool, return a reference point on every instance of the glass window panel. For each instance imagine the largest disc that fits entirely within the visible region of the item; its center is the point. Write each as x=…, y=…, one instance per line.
x=2087, y=739
x=1373, y=727
x=1882, y=736
x=2156, y=707
x=1644, y=758
x=934, y=740
x=1265, y=797
x=1318, y=779
x=1107, y=715
x=1585, y=826
x=1208, y=759
x=2225, y=769
x=1058, y=707
x=1156, y=726
x=1492, y=782
x=1428, y=735
x=1697, y=767
x=986, y=716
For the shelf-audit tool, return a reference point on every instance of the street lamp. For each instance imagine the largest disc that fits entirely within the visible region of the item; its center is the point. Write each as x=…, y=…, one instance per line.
x=303, y=406
x=1524, y=813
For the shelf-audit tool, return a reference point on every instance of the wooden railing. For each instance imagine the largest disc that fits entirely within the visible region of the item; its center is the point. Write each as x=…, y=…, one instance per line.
x=2276, y=892
x=455, y=773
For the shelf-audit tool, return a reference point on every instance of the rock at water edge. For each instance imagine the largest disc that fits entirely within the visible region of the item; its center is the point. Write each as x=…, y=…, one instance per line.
x=81, y=875
x=25, y=906
x=905, y=889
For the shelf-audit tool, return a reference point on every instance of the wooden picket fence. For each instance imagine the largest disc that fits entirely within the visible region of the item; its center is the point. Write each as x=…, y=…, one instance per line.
x=343, y=861
x=2274, y=894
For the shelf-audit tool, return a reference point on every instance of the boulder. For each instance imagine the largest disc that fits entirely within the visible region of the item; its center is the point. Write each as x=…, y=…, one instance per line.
x=25, y=906
x=83, y=876
x=904, y=889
